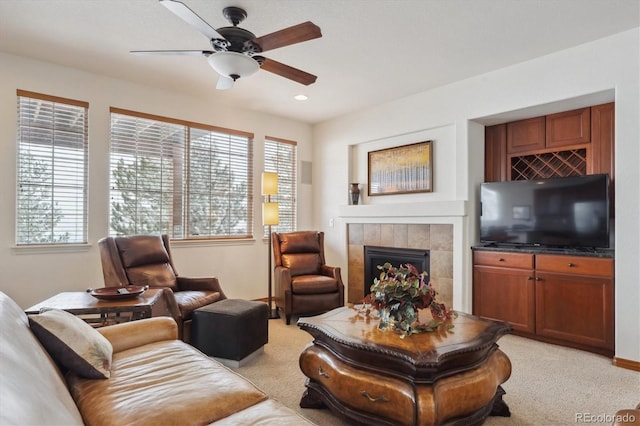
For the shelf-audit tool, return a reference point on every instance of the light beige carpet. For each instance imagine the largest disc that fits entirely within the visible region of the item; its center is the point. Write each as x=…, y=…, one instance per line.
x=549, y=385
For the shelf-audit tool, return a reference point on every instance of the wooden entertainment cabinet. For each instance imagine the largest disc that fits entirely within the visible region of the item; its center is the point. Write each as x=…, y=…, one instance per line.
x=570, y=143
x=565, y=299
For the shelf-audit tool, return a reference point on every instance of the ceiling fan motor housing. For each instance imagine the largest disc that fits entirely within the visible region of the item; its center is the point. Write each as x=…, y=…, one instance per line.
x=237, y=38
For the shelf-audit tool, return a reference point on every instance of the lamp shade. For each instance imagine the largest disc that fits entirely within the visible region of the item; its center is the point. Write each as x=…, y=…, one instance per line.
x=269, y=183
x=270, y=215
x=233, y=65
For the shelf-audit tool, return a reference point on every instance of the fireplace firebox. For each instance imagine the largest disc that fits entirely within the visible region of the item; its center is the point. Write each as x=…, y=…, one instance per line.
x=375, y=255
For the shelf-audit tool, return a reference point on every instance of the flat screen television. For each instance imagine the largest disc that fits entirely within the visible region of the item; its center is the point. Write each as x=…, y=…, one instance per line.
x=567, y=212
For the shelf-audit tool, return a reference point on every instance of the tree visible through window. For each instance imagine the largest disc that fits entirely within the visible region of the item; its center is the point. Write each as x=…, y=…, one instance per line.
x=183, y=179
x=219, y=184
x=280, y=156
x=52, y=170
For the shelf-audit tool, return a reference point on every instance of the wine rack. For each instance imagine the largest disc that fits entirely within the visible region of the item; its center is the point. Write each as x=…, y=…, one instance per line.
x=549, y=164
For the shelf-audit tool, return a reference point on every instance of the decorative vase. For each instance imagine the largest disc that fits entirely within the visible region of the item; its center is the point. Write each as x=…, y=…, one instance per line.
x=355, y=193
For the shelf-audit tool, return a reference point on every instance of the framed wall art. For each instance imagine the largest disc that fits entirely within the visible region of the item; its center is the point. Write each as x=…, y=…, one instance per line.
x=401, y=170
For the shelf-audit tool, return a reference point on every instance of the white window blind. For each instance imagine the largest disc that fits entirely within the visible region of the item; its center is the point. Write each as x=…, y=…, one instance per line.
x=52, y=170
x=280, y=156
x=220, y=182
x=184, y=179
x=146, y=166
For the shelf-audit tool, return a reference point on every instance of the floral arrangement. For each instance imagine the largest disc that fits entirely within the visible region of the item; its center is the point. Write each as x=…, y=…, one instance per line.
x=398, y=294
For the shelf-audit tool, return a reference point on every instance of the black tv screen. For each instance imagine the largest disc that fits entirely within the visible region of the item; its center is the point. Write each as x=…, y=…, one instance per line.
x=557, y=212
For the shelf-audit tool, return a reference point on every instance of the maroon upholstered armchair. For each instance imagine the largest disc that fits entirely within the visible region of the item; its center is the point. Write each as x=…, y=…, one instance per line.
x=146, y=260
x=304, y=284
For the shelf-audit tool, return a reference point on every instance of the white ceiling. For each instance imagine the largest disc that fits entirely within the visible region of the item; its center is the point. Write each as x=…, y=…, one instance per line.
x=371, y=51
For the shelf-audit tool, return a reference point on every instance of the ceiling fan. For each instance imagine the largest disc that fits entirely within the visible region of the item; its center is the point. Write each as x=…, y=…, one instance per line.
x=235, y=51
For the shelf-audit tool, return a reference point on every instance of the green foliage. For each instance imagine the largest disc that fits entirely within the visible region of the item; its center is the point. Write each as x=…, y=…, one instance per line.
x=143, y=207
x=399, y=293
x=38, y=214
x=216, y=204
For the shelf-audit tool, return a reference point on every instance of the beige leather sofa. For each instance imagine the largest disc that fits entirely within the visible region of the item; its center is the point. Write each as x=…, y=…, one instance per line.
x=155, y=379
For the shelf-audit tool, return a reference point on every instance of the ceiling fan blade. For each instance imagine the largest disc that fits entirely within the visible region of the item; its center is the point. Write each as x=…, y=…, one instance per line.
x=173, y=52
x=190, y=17
x=288, y=72
x=224, y=83
x=292, y=35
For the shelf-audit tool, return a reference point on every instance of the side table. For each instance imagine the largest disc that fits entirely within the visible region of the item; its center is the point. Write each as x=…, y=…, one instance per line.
x=375, y=377
x=103, y=312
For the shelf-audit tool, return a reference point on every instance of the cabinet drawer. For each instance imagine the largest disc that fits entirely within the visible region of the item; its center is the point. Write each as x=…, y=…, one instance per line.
x=502, y=259
x=575, y=265
x=387, y=397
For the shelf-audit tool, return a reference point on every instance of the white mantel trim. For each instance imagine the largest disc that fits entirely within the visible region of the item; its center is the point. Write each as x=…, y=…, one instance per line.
x=425, y=212
x=455, y=208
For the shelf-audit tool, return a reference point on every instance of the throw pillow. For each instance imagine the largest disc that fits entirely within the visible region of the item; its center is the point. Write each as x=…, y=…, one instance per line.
x=73, y=343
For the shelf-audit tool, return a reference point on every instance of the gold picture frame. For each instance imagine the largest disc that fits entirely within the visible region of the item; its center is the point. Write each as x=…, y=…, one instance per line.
x=404, y=169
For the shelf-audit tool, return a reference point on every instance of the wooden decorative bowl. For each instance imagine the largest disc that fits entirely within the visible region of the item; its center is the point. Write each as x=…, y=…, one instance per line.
x=117, y=293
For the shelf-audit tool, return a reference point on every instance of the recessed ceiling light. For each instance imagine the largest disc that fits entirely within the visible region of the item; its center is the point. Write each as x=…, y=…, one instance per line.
x=300, y=97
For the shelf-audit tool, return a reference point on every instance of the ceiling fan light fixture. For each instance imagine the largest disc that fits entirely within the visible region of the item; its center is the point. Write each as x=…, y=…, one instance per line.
x=233, y=65
x=300, y=97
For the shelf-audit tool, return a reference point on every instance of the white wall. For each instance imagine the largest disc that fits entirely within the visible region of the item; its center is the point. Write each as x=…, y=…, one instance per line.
x=30, y=277
x=588, y=74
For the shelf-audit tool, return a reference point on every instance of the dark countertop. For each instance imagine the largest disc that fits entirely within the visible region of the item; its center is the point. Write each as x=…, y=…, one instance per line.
x=596, y=252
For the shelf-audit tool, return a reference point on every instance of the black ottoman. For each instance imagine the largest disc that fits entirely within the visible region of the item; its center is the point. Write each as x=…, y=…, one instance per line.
x=231, y=329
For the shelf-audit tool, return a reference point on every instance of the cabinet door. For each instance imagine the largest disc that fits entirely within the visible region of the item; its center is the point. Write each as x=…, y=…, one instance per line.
x=602, y=138
x=495, y=153
x=568, y=128
x=575, y=308
x=506, y=295
x=602, y=141
x=525, y=135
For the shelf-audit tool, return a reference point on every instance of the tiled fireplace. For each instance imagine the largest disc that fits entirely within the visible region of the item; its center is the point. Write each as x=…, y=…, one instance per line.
x=436, y=238
x=376, y=256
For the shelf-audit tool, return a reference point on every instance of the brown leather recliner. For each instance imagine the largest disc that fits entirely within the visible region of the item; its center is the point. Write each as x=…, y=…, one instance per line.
x=304, y=284
x=146, y=260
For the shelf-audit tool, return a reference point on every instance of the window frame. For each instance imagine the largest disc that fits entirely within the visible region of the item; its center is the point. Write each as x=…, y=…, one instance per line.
x=64, y=173
x=286, y=167
x=178, y=228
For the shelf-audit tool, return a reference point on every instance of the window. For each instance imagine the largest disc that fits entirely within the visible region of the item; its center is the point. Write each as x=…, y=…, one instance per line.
x=280, y=157
x=184, y=179
x=51, y=170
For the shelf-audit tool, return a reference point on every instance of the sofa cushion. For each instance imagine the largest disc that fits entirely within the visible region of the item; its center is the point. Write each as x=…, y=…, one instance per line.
x=73, y=343
x=267, y=412
x=299, y=242
x=302, y=263
x=157, y=275
x=141, y=250
x=32, y=391
x=313, y=284
x=167, y=382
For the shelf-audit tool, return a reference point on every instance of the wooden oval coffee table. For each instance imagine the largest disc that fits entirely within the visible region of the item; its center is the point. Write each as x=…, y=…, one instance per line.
x=374, y=376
